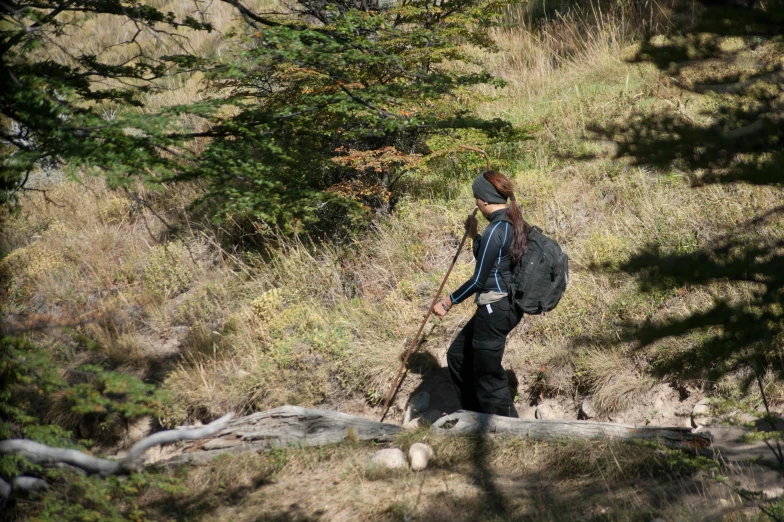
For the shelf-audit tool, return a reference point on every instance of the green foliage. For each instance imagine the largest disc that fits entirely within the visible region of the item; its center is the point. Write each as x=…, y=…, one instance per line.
x=111, y=393
x=52, y=108
x=316, y=114
x=111, y=498
x=167, y=272
x=309, y=100
x=30, y=379
x=27, y=374
x=775, y=510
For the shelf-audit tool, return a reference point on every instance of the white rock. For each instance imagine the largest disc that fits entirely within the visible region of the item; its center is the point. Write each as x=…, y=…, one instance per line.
x=700, y=415
x=702, y=407
x=543, y=412
x=391, y=458
x=587, y=410
x=526, y=411
x=420, y=454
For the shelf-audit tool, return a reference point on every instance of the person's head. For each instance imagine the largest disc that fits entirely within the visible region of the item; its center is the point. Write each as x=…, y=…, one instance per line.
x=492, y=190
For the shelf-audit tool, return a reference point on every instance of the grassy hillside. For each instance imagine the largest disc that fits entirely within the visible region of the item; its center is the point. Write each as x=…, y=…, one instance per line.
x=135, y=282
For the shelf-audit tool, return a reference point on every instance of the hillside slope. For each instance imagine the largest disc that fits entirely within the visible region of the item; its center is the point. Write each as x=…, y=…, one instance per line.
x=136, y=283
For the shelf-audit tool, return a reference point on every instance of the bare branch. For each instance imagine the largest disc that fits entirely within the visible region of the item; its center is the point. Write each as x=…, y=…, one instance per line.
x=176, y=435
x=5, y=491
x=42, y=454
x=252, y=18
x=141, y=201
x=46, y=196
x=380, y=111
x=29, y=484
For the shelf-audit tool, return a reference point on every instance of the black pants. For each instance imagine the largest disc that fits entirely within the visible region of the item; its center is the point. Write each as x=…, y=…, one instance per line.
x=474, y=360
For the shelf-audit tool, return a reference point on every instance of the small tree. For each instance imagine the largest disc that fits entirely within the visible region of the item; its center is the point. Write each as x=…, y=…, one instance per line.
x=315, y=87
x=297, y=88
x=52, y=94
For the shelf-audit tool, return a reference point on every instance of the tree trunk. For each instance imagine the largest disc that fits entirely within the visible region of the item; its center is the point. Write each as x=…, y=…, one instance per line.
x=464, y=423
x=284, y=426
x=292, y=425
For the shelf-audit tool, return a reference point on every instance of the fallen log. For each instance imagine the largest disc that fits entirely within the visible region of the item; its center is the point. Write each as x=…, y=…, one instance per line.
x=464, y=423
x=287, y=426
x=308, y=427
x=295, y=426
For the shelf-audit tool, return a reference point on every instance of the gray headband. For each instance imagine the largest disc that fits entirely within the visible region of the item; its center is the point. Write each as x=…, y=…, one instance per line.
x=485, y=191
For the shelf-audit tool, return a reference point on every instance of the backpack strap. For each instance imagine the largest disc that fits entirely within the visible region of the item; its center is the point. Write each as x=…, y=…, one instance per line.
x=505, y=278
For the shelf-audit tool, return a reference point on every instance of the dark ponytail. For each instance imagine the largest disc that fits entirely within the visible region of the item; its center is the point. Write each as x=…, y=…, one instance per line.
x=505, y=187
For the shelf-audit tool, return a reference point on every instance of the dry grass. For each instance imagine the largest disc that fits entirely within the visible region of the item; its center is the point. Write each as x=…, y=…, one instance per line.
x=615, y=381
x=565, y=72
x=469, y=479
x=174, y=306
x=325, y=325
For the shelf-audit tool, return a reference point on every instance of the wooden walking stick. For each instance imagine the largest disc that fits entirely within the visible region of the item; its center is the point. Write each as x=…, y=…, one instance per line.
x=487, y=158
x=401, y=373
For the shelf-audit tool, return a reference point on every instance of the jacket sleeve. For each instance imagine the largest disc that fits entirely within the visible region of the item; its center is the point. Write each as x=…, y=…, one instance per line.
x=486, y=250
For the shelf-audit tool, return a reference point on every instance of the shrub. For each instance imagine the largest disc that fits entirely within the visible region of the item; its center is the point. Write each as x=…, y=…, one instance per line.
x=166, y=272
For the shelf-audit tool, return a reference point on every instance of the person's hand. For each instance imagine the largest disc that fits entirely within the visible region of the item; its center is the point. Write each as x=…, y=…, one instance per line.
x=471, y=225
x=440, y=310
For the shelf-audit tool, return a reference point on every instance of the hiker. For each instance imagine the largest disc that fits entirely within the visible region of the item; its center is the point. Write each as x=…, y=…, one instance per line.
x=474, y=357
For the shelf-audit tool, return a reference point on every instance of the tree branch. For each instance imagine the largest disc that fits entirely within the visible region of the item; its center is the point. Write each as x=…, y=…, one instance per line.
x=42, y=454
x=250, y=16
x=176, y=435
x=5, y=491
x=382, y=112
x=29, y=484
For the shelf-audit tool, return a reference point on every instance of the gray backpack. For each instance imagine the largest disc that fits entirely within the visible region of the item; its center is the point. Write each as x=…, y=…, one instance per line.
x=540, y=277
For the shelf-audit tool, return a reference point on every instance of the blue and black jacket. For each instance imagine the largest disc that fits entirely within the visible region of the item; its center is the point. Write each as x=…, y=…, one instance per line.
x=492, y=249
